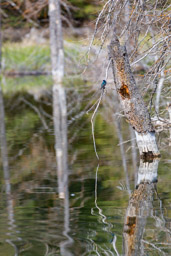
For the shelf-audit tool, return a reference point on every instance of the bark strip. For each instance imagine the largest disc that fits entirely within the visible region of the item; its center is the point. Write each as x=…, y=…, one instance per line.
x=131, y=100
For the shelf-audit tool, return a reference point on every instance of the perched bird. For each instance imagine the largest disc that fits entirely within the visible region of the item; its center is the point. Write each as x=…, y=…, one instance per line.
x=103, y=84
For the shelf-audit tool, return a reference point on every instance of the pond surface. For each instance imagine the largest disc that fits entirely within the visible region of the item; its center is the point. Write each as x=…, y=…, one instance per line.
x=89, y=220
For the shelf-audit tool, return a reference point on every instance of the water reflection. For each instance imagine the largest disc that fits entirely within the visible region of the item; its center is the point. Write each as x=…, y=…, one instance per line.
x=6, y=173
x=90, y=214
x=139, y=208
x=140, y=237
x=122, y=150
x=60, y=133
x=64, y=189
x=12, y=233
x=107, y=227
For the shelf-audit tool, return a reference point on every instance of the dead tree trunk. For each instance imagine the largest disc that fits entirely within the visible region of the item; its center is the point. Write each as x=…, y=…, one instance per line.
x=131, y=100
x=56, y=41
x=59, y=96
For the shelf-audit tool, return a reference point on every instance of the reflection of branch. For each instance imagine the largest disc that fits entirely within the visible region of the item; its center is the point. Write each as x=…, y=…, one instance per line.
x=14, y=246
x=95, y=201
x=155, y=247
x=37, y=111
x=114, y=245
x=103, y=218
x=121, y=143
x=92, y=124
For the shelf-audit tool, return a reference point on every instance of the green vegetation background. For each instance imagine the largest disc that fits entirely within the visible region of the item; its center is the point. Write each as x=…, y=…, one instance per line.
x=20, y=15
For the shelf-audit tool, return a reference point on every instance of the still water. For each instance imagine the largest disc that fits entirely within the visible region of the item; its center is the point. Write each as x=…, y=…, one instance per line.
x=89, y=220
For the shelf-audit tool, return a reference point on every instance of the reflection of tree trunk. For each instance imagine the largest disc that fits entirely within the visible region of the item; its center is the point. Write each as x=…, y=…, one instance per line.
x=134, y=154
x=60, y=129
x=11, y=219
x=139, y=208
x=118, y=129
x=59, y=96
x=4, y=156
x=131, y=100
x=117, y=123
x=3, y=136
x=65, y=244
x=3, y=142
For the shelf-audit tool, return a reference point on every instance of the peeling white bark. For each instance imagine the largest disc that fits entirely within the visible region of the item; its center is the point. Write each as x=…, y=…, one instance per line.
x=61, y=195
x=52, y=7
x=148, y=171
x=147, y=143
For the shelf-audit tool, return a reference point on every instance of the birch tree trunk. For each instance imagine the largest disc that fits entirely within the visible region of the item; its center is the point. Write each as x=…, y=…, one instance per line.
x=59, y=96
x=131, y=100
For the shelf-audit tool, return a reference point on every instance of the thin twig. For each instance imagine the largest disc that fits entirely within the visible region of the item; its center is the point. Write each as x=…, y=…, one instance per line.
x=107, y=69
x=92, y=107
x=92, y=123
